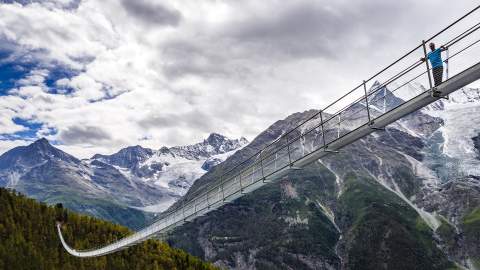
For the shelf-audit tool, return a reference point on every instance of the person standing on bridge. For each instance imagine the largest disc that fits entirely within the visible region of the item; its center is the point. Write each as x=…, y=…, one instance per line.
x=435, y=57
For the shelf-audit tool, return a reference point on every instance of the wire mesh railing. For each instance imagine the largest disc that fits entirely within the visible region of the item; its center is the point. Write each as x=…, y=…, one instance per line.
x=369, y=100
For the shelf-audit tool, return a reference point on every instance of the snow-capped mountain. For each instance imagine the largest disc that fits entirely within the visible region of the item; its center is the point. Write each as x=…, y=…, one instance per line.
x=171, y=169
x=119, y=187
x=48, y=174
x=465, y=96
x=28, y=156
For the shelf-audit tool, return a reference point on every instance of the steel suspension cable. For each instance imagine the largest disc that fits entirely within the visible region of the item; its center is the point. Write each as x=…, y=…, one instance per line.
x=416, y=64
x=256, y=156
x=463, y=35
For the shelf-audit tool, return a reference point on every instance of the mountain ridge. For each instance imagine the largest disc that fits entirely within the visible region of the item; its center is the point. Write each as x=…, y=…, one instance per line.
x=127, y=187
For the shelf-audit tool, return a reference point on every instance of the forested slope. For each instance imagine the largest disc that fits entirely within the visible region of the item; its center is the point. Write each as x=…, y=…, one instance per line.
x=29, y=241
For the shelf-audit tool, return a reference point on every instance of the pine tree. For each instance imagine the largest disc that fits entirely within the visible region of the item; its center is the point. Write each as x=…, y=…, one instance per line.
x=28, y=240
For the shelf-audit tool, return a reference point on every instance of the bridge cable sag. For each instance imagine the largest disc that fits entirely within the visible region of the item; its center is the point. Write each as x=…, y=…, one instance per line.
x=278, y=158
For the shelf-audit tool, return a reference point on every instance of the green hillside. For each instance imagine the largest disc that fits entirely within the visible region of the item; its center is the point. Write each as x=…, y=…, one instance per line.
x=384, y=232
x=471, y=226
x=29, y=241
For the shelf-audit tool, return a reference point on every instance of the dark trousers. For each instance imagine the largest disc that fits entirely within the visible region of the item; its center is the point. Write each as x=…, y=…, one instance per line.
x=437, y=75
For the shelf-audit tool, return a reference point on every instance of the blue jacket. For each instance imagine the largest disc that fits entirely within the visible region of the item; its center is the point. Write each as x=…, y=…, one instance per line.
x=435, y=58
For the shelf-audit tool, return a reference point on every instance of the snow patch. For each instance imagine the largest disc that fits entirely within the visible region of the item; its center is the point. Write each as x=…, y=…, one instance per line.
x=158, y=208
x=461, y=125
x=13, y=179
x=429, y=178
x=338, y=180
x=401, y=125
x=296, y=220
x=329, y=214
x=429, y=218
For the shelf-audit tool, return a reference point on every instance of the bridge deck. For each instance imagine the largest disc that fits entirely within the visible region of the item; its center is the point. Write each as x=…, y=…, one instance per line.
x=290, y=152
x=233, y=189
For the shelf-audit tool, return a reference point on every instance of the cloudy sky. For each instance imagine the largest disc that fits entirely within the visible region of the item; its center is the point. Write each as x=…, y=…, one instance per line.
x=95, y=76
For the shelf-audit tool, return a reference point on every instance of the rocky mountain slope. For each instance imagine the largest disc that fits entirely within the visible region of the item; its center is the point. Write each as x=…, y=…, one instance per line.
x=404, y=198
x=124, y=187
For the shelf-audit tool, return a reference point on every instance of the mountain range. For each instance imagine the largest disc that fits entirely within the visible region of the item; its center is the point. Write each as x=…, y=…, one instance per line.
x=407, y=197
x=127, y=187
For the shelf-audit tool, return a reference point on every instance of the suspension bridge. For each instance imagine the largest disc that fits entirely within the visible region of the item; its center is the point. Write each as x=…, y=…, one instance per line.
x=356, y=114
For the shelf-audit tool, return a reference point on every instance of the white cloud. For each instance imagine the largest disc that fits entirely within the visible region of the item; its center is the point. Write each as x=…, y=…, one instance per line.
x=7, y=126
x=36, y=77
x=155, y=74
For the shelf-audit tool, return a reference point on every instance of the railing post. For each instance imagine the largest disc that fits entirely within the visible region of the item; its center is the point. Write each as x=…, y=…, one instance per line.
x=275, y=161
x=261, y=165
x=208, y=202
x=323, y=131
x=366, y=102
x=288, y=150
x=339, y=122
x=302, y=140
x=241, y=187
x=426, y=63
x=384, y=100
x=195, y=206
x=253, y=172
x=183, y=210
x=446, y=62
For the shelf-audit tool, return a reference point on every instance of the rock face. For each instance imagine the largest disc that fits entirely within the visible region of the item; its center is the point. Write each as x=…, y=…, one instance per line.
x=29, y=156
x=404, y=198
x=210, y=163
x=124, y=187
x=127, y=157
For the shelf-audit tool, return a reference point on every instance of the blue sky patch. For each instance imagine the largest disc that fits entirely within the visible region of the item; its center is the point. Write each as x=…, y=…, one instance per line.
x=10, y=73
x=57, y=74
x=30, y=132
x=16, y=66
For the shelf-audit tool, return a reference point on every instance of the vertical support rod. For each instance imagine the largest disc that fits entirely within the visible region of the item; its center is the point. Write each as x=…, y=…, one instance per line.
x=208, y=202
x=241, y=186
x=253, y=172
x=323, y=131
x=426, y=63
x=288, y=150
x=183, y=210
x=366, y=102
x=304, y=143
x=275, y=161
x=446, y=62
x=339, y=123
x=195, y=206
x=261, y=165
x=384, y=100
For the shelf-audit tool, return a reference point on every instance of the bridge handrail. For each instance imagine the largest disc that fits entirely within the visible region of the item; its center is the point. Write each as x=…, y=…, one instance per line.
x=225, y=177
x=354, y=89
x=261, y=155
